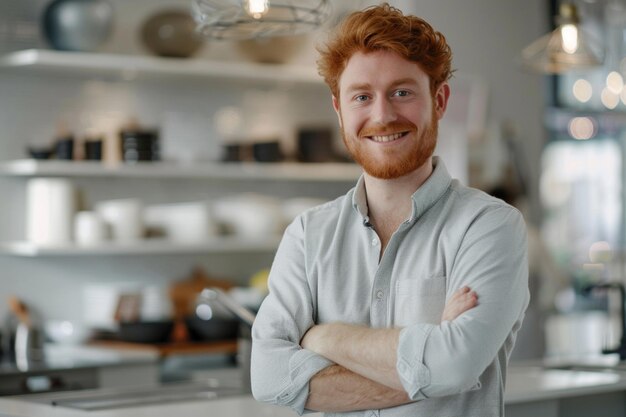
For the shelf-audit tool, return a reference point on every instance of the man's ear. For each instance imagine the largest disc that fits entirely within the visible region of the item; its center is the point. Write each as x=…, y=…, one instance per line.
x=441, y=99
x=337, y=109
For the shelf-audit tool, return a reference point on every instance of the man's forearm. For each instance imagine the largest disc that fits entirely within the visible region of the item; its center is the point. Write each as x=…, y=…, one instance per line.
x=370, y=353
x=337, y=389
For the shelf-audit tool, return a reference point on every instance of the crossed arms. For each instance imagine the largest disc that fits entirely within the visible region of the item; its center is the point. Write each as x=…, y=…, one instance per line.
x=365, y=376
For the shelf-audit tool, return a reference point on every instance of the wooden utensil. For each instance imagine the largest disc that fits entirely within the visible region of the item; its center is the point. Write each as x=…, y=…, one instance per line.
x=17, y=307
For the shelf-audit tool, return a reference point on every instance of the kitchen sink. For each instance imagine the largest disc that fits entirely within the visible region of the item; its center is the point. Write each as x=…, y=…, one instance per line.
x=105, y=399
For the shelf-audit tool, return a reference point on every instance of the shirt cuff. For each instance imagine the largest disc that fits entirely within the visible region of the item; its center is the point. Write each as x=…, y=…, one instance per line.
x=303, y=365
x=413, y=374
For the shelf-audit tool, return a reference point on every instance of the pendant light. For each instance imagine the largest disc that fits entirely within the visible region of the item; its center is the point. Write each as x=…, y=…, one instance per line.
x=247, y=19
x=566, y=48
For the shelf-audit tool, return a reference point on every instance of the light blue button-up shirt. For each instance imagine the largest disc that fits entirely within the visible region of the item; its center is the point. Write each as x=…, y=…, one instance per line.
x=328, y=268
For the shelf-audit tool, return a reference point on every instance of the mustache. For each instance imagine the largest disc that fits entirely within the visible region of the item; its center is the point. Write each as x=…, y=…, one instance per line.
x=386, y=129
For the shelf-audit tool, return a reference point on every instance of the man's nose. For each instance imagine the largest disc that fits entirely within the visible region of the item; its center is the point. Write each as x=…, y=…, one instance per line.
x=383, y=111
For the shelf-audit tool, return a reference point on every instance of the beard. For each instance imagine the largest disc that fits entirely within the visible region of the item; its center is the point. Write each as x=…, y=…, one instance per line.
x=394, y=166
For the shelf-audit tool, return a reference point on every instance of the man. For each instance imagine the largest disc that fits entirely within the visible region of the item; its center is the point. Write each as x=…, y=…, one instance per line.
x=370, y=306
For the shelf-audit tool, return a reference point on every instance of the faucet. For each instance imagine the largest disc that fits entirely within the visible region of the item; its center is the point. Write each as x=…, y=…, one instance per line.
x=621, y=349
x=244, y=344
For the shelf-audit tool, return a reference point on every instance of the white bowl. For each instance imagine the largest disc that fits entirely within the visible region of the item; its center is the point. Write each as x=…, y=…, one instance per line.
x=182, y=222
x=67, y=332
x=250, y=215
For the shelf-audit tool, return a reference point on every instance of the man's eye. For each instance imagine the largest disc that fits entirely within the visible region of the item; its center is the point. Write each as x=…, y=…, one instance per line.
x=401, y=93
x=361, y=97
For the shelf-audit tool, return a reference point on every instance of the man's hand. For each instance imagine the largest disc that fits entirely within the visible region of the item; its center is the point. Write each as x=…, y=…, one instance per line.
x=313, y=338
x=462, y=300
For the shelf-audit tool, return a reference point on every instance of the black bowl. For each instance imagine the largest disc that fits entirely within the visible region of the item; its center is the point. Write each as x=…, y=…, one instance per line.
x=40, y=153
x=213, y=329
x=146, y=331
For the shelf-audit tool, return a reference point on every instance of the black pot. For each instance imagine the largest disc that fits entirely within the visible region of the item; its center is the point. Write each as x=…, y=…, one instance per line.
x=215, y=328
x=145, y=331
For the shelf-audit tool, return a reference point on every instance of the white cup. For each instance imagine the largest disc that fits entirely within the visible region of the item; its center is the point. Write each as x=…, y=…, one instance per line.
x=124, y=218
x=50, y=208
x=89, y=228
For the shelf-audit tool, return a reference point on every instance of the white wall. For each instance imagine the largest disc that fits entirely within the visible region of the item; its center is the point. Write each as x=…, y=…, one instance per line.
x=486, y=37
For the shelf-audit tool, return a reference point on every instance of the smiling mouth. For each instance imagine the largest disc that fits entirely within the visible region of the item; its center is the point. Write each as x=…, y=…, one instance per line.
x=387, y=138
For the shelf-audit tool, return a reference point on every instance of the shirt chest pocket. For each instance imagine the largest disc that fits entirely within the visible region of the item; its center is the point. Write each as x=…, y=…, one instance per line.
x=419, y=301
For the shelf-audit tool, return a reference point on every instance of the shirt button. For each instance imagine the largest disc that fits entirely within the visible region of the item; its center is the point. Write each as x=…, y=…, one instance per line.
x=380, y=294
x=374, y=242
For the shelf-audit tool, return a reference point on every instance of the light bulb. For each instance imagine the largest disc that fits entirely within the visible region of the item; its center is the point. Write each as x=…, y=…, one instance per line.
x=582, y=90
x=257, y=8
x=615, y=82
x=569, y=36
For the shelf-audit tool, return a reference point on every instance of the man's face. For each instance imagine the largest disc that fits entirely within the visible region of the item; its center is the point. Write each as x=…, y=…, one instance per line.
x=388, y=117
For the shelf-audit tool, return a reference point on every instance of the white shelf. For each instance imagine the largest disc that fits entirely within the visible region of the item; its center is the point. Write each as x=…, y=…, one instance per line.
x=130, y=67
x=288, y=171
x=144, y=247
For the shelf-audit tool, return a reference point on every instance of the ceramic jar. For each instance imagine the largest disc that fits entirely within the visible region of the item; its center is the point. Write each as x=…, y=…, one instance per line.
x=78, y=25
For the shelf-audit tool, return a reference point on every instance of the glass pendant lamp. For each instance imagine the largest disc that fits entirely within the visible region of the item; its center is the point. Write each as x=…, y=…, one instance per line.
x=566, y=48
x=247, y=19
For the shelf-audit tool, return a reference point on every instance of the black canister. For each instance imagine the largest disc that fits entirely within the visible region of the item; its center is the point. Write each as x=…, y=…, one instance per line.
x=140, y=145
x=236, y=152
x=315, y=145
x=267, y=152
x=64, y=148
x=93, y=149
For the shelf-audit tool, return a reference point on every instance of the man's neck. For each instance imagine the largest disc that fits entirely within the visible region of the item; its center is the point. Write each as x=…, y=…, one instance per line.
x=389, y=201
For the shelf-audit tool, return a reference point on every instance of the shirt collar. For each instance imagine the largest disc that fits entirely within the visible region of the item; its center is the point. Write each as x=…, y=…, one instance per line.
x=424, y=198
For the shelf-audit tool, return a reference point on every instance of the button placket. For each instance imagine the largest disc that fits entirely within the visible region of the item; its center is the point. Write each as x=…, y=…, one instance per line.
x=379, y=295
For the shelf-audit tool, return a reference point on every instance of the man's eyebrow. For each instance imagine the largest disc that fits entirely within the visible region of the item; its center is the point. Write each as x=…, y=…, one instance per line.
x=358, y=87
x=366, y=86
x=401, y=81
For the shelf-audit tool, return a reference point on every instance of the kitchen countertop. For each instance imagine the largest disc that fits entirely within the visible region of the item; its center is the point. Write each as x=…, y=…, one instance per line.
x=524, y=384
x=82, y=356
x=59, y=357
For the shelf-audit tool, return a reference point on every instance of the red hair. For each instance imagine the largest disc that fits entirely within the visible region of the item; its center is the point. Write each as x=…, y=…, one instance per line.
x=385, y=28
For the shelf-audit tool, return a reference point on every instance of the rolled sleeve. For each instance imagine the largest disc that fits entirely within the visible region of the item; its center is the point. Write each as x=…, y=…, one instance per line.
x=280, y=368
x=447, y=359
x=414, y=375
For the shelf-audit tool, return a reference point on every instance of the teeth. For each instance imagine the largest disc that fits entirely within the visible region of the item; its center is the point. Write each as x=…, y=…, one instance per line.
x=387, y=138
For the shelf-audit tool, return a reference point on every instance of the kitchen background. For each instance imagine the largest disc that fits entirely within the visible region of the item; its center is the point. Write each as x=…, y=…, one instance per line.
x=506, y=125
x=34, y=103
